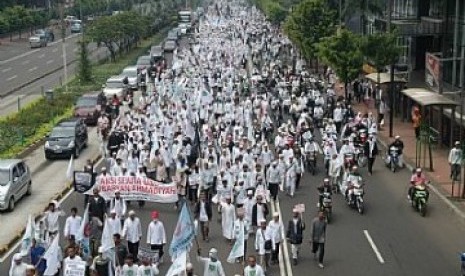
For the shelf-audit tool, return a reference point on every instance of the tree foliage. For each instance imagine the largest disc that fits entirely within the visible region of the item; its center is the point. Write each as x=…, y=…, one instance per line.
x=120, y=31
x=343, y=52
x=308, y=23
x=85, y=66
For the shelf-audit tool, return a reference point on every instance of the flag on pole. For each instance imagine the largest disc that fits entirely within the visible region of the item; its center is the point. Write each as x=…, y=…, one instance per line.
x=81, y=237
x=238, y=249
x=108, y=246
x=53, y=256
x=70, y=170
x=183, y=234
x=28, y=236
x=178, y=267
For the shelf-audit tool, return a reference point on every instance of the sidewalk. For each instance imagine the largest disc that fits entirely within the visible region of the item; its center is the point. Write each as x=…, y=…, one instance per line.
x=441, y=170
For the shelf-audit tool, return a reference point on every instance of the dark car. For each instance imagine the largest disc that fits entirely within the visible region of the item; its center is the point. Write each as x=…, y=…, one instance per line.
x=67, y=139
x=47, y=33
x=88, y=107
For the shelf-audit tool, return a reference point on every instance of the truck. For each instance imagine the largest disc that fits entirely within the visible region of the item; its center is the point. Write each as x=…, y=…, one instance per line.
x=185, y=21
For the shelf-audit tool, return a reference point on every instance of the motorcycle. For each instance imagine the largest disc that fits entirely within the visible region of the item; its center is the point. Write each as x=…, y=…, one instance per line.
x=420, y=198
x=143, y=88
x=355, y=200
x=310, y=157
x=327, y=206
x=362, y=160
x=392, y=158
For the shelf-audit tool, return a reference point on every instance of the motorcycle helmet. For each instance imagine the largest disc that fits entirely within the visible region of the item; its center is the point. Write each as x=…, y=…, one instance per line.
x=397, y=137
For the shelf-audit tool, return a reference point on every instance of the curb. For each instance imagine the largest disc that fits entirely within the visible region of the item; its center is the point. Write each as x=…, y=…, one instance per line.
x=68, y=186
x=409, y=165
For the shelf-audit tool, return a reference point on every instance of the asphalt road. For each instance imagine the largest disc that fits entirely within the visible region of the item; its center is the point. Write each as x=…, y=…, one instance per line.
x=36, y=63
x=25, y=95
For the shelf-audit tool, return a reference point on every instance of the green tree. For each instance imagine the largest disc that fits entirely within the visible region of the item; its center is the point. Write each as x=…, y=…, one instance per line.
x=3, y=24
x=308, y=23
x=275, y=13
x=343, y=53
x=381, y=50
x=120, y=31
x=85, y=66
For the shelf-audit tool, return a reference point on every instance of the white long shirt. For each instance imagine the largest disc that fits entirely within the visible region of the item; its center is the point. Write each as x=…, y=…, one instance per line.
x=51, y=220
x=156, y=233
x=132, y=230
x=275, y=228
x=115, y=225
x=257, y=270
x=72, y=225
x=211, y=268
x=18, y=270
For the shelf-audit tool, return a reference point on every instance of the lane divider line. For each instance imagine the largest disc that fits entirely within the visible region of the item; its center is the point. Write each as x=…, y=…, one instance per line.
x=373, y=246
x=285, y=248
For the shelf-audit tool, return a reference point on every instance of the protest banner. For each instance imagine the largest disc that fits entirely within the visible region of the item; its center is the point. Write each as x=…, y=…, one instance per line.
x=83, y=181
x=137, y=188
x=146, y=253
x=300, y=208
x=75, y=268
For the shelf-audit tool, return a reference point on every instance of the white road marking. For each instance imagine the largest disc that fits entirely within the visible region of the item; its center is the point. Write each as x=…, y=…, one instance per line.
x=12, y=78
x=55, y=50
x=32, y=69
x=373, y=246
x=20, y=56
x=284, y=243
x=50, y=61
x=6, y=70
x=25, y=62
x=41, y=56
x=68, y=194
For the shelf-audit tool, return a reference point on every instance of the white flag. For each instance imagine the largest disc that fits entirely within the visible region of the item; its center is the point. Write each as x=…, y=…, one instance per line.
x=70, y=170
x=28, y=236
x=179, y=265
x=108, y=246
x=238, y=249
x=53, y=256
x=85, y=220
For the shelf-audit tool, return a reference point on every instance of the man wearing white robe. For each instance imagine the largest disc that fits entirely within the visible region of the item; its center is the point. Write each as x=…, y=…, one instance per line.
x=228, y=216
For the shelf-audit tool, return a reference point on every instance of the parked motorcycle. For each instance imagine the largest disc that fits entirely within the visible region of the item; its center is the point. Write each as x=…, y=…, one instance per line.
x=392, y=158
x=420, y=199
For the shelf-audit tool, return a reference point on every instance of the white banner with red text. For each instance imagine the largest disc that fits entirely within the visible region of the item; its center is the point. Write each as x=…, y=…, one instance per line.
x=136, y=188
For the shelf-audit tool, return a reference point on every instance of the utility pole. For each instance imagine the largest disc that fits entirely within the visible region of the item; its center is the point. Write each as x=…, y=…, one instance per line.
x=63, y=42
x=391, y=84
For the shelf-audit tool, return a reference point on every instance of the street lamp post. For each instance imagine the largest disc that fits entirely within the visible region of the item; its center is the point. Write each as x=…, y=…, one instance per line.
x=63, y=43
x=391, y=84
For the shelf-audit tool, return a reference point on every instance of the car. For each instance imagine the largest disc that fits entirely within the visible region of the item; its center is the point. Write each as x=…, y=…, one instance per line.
x=169, y=46
x=132, y=73
x=70, y=18
x=89, y=106
x=116, y=85
x=49, y=35
x=66, y=139
x=15, y=182
x=76, y=28
x=156, y=52
x=36, y=41
x=144, y=62
x=173, y=35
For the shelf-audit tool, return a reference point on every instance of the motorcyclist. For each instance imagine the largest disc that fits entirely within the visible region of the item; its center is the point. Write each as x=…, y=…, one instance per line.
x=400, y=147
x=325, y=188
x=354, y=177
x=417, y=179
